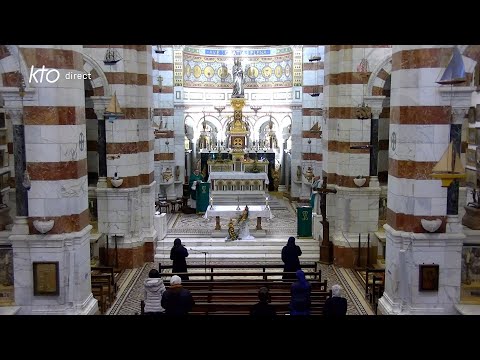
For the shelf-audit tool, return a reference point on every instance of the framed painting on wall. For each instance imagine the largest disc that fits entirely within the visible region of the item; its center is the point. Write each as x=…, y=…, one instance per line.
x=46, y=278
x=428, y=277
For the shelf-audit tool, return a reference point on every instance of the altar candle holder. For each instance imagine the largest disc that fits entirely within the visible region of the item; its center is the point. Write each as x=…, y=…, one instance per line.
x=266, y=203
x=211, y=202
x=238, y=203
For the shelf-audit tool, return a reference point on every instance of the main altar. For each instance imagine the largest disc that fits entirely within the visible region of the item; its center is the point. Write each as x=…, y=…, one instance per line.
x=237, y=172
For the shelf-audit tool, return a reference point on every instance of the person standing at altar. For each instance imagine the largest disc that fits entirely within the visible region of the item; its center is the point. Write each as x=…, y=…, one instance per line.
x=178, y=253
x=195, y=178
x=290, y=254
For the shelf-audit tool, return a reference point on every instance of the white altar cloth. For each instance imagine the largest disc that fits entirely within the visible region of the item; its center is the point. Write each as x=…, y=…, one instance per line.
x=237, y=175
x=231, y=211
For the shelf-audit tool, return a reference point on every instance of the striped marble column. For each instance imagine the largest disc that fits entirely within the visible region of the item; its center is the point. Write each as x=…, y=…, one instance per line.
x=419, y=134
x=125, y=213
x=164, y=118
x=58, y=216
x=354, y=209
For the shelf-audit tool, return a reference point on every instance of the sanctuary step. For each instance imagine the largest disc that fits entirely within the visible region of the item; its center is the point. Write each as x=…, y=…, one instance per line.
x=249, y=199
x=264, y=250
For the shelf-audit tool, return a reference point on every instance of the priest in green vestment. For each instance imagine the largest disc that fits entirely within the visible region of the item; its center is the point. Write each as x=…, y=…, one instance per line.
x=194, y=180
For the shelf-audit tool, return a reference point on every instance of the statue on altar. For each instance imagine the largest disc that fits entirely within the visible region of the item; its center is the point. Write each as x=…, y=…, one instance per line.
x=243, y=230
x=317, y=183
x=237, y=72
x=232, y=235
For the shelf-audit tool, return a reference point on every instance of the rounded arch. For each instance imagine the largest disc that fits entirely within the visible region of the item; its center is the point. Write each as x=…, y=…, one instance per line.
x=263, y=121
x=98, y=79
x=378, y=76
x=189, y=127
x=12, y=64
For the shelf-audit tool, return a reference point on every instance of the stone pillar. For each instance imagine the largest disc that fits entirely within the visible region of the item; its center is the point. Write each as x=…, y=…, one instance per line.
x=296, y=155
x=347, y=139
x=126, y=212
x=58, y=215
x=14, y=101
x=100, y=103
x=419, y=135
x=179, y=131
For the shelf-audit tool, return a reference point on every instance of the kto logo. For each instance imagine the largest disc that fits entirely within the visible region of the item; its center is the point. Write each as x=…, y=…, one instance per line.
x=51, y=75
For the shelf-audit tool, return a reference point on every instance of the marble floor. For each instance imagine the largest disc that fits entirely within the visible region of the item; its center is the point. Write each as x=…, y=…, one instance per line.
x=282, y=224
x=131, y=290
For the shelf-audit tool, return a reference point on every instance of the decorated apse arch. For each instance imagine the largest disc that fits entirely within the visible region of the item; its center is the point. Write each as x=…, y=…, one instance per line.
x=264, y=67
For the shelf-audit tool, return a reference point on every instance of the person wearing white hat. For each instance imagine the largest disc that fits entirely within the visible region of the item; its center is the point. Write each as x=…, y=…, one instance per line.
x=177, y=301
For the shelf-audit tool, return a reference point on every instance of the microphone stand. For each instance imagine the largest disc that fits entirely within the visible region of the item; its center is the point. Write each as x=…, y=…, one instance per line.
x=204, y=253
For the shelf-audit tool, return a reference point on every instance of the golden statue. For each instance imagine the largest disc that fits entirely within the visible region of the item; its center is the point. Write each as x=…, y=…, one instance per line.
x=232, y=235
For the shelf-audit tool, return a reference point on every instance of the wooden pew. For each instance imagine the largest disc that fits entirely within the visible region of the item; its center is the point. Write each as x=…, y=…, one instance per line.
x=374, y=285
x=100, y=293
x=243, y=275
x=237, y=298
x=314, y=266
x=107, y=270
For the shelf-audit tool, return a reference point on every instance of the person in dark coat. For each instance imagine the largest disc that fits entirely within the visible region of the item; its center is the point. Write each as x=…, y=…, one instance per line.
x=176, y=300
x=300, y=292
x=178, y=253
x=335, y=305
x=290, y=254
x=263, y=308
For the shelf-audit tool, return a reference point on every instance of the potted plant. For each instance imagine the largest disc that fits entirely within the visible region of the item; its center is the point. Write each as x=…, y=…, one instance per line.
x=359, y=180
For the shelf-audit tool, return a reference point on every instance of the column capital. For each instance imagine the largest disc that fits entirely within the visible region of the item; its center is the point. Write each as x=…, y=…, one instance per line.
x=459, y=113
x=456, y=96
x=376, y=105
x=100, y=103
x=14, y=102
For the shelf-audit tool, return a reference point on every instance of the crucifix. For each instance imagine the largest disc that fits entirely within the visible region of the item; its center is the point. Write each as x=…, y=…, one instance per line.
x=326, y=248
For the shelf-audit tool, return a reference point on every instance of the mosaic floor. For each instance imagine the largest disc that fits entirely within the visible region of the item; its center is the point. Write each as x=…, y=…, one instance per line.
x=128, y=300
x=284, y=222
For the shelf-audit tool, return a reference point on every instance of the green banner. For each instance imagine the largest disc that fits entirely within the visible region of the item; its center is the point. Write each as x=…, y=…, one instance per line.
x=304, y=221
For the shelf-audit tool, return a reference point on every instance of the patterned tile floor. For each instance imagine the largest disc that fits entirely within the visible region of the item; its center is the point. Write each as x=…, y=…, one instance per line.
x=128, y=300
x=283, y=222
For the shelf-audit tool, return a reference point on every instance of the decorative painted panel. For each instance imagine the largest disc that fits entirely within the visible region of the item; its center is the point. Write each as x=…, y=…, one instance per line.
x=263, y=67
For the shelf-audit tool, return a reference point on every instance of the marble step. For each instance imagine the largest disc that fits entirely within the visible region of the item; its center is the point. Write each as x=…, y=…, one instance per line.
x=195, y=241
x=252, y=258
x=238, y=249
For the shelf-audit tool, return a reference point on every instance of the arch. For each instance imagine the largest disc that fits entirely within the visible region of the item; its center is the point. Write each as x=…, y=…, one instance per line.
x=9, y=55
x=378, y=76
x=263, y=120
x=100, y=87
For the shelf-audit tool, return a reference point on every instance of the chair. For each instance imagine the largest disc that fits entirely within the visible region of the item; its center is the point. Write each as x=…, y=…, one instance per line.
x=162, y=203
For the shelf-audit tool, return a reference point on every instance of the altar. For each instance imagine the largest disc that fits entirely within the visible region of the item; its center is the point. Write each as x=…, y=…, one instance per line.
x=230, y=211
x=227, y=181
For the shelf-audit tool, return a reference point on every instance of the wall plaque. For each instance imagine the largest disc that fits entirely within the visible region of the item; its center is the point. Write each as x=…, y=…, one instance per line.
x=45, y=278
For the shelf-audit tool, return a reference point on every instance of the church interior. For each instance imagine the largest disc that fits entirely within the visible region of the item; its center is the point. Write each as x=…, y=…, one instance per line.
x=366, y=154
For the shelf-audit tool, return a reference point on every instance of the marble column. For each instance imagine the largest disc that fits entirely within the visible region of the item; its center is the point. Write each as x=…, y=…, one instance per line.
x=347, y=136
x=125, y=213
x=419, y=135
x=297, y=190
x=58, y=221
x=14, y=102
x=99, y=105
